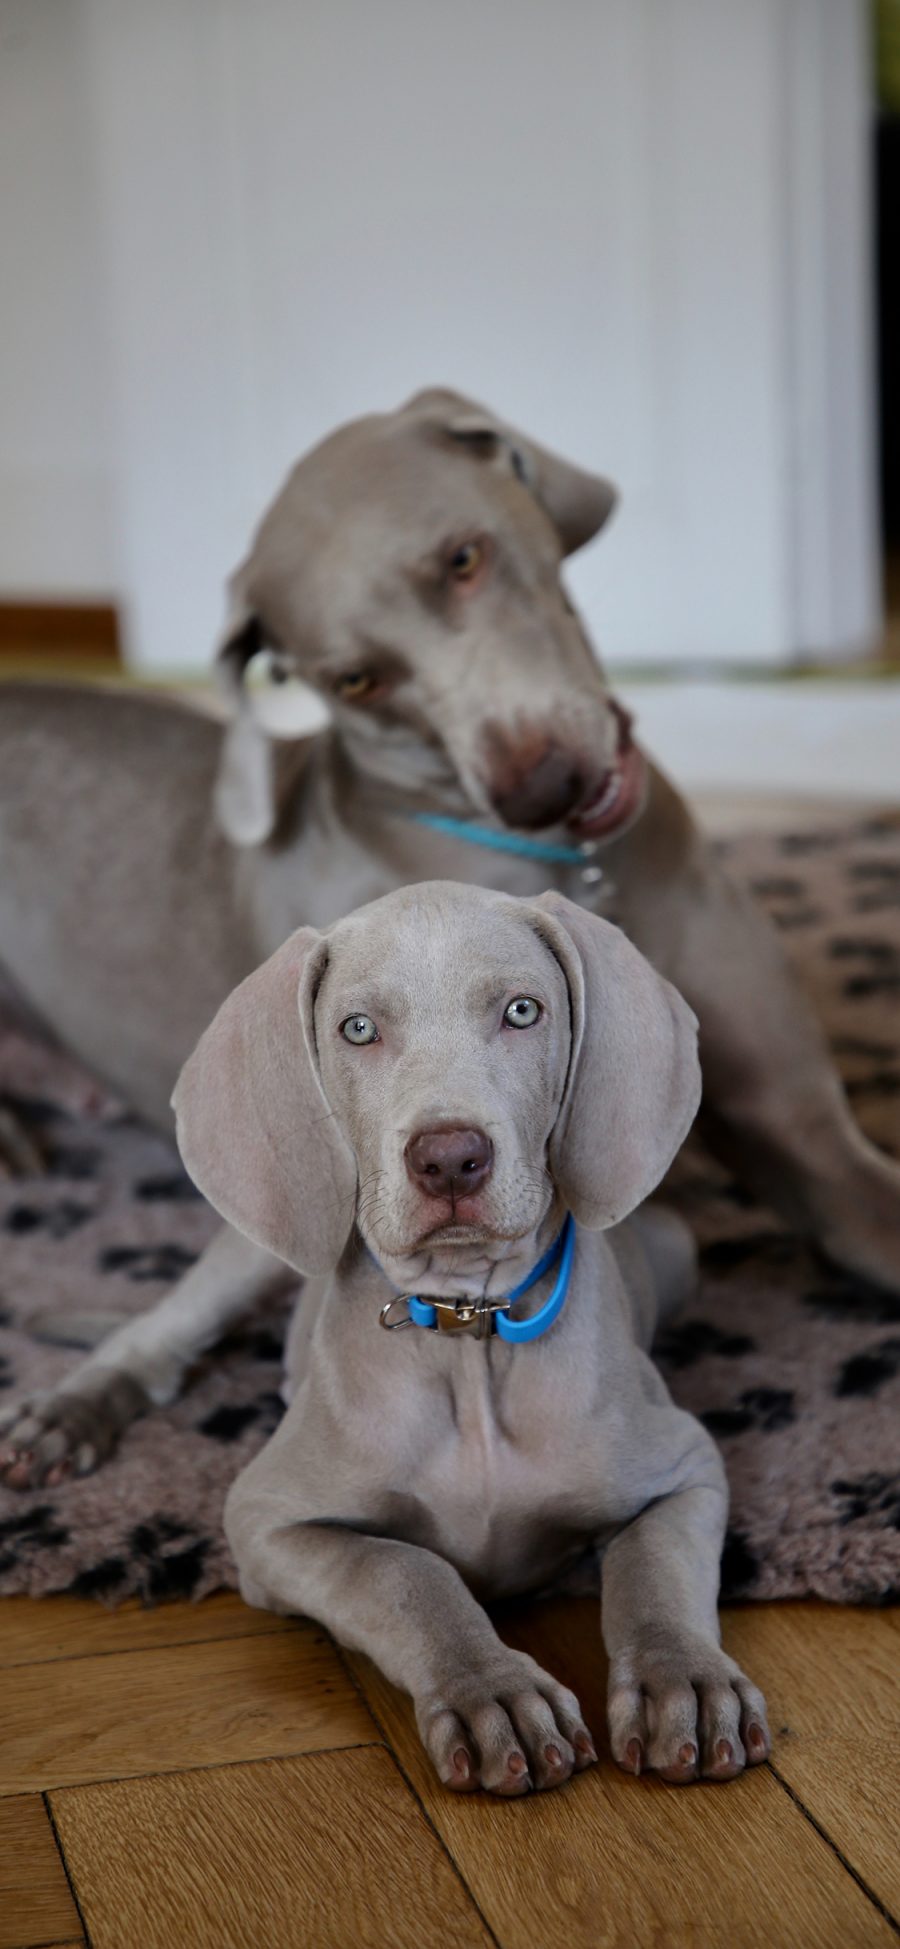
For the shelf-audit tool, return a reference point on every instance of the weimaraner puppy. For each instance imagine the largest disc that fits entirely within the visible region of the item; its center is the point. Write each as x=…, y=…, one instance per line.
x=410, y=569
x=415, y=1102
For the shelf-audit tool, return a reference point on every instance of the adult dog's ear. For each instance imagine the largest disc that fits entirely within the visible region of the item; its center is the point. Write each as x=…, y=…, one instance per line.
x=253, y=1123
x=245, y=787
x=633, y=1084
x=578, y=503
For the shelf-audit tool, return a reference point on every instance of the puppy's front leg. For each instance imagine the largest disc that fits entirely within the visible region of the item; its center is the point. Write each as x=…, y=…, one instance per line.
x=677, y=1704
x=487, y=1716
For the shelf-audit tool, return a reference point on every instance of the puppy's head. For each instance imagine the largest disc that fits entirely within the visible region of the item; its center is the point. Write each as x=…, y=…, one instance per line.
x=440, y=1069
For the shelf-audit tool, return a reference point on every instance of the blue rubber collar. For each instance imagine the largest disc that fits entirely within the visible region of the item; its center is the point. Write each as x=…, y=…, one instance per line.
x=518, y=1332
x=505, y=842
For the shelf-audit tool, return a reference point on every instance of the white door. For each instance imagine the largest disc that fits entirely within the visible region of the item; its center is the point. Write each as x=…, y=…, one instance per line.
x=639, y=227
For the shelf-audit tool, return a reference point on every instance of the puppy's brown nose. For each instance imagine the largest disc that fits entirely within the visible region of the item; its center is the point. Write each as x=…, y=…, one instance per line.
x=449, y=1163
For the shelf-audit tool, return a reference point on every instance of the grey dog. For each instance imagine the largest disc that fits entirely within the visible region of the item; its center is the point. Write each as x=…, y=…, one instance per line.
x=412, y=1103
x=410, y=569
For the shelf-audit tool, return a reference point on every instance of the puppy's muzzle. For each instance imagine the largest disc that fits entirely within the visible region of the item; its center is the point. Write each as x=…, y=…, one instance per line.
x=450, y=1164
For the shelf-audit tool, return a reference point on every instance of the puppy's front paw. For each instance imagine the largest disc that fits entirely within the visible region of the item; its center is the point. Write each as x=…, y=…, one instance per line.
x=70, y=1431
x=685, y=1710
x=507, y=1726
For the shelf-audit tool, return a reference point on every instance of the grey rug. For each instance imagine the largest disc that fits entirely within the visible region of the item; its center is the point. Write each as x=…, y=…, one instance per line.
x=794, y=1369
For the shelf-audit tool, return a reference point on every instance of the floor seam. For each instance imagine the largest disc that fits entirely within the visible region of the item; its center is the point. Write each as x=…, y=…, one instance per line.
x=126, y=1651
x=66, y=1869
x=388, y=1746
x=835, y=1849
x=183, y=1772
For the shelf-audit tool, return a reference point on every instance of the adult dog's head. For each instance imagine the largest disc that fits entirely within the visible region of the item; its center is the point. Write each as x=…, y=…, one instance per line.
x=444, y=1070
x=410, y=570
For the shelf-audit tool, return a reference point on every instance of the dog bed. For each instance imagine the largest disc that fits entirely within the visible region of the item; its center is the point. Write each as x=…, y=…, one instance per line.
x=794, y=1368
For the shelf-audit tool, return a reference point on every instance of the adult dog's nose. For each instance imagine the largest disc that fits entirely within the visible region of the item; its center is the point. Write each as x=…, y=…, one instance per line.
x=449, y=1163
x=539, y=791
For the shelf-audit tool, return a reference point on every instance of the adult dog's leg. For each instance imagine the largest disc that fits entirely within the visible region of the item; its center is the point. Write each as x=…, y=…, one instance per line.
x=488, y=1716
x=773, y=1104
x=19, y=1154
x=141, y=1364
x=677, y=1705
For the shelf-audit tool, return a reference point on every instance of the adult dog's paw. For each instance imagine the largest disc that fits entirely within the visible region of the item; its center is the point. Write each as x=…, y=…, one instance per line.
x=506, y=1726
x=20, y=1153
x=685, y=1711
x=70, y=1431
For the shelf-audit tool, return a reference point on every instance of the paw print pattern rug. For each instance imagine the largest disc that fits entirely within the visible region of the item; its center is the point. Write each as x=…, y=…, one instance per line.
x=794, y=1368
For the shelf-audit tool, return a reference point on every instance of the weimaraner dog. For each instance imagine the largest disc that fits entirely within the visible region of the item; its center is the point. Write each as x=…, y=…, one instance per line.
x=410, y=569
x=415, y=1102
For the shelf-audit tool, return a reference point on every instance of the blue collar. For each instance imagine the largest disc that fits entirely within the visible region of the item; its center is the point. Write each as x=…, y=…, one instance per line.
x=506, y=842
x=486, y=1316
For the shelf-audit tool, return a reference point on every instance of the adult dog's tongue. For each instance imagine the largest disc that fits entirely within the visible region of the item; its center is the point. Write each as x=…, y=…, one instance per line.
x=618, y=798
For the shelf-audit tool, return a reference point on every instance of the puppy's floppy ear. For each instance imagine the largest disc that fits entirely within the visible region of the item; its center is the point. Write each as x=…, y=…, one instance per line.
x=254, y=1126
x=578, y=503
x=633, y=1085
x=245, y=788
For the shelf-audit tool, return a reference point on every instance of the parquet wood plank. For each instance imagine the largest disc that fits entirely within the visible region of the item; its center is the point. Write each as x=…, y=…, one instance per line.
x=832, y=1677
x=36, y=1905
x=329, y=1850
x=33, y=1630
x=613, y=1862
x=178, y=1706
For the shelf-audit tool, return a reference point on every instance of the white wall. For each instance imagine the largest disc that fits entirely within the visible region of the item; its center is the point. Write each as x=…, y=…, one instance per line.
x=56, y=512
x=610, y=218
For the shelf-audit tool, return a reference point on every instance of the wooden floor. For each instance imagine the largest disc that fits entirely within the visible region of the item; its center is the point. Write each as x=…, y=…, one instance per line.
x=211, y=1775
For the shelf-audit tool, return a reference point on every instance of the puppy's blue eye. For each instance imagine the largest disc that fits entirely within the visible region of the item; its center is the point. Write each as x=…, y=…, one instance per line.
x=359, y=1029
x=522, y=1012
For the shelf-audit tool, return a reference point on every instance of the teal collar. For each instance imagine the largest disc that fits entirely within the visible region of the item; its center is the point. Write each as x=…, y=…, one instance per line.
x=484, y=1317
x=507, y=842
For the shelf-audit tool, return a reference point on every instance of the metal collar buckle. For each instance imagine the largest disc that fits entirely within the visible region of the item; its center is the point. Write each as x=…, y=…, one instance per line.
x=451, y=1315
x=465, y=1316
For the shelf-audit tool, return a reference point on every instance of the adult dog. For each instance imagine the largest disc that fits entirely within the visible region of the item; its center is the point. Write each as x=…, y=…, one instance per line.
x=410, y=570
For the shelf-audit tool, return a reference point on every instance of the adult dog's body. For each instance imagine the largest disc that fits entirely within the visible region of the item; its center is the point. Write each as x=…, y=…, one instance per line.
x=414, y=1100
x=410, y=569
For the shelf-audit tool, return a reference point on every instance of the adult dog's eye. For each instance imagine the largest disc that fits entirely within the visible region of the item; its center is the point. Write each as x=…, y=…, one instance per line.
x=466, y=561
x=522, y=1012
x=359, y=1029
x=355, y=685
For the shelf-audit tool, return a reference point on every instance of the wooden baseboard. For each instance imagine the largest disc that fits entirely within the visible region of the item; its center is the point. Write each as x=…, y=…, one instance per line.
x=83, y=632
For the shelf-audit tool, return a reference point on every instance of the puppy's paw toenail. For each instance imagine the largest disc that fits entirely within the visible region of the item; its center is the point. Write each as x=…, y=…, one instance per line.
x=687, y=1755
x=756, y=1740
x=553, y=1756
x=517, y=1764
x=634, y=1754
x=461, y=1766
x=724, y=1752
x=585, y=1748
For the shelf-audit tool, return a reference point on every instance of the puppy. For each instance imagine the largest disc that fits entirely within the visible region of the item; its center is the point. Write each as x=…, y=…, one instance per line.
x=450, y=1096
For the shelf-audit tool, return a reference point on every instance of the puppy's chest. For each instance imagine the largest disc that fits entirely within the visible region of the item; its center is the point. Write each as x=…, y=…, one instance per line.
x=512, y=1482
